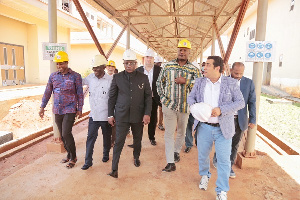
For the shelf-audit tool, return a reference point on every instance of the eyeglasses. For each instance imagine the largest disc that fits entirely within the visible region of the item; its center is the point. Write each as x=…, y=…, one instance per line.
x=130, y=63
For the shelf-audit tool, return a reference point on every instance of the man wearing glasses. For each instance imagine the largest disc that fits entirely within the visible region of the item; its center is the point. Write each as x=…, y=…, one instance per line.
x=129, y=106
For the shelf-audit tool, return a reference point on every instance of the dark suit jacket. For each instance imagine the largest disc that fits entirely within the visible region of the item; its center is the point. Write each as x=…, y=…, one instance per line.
x=156, y=71
x=248, y=91
x=130, y=100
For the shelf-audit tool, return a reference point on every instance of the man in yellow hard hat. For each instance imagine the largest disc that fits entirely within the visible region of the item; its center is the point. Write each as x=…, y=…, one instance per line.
x=66, y=86
x=175, y=82
x=110, y=67
x=111, y=70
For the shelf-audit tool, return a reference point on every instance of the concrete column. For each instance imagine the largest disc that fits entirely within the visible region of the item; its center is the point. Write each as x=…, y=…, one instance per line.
x=201, y=54
x=128, y=36
x=52, y=24
x=262, y=10
x=213, y=39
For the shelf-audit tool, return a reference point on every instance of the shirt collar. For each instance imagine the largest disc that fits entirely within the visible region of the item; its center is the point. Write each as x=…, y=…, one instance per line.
x=218, y=81
x=69, y=71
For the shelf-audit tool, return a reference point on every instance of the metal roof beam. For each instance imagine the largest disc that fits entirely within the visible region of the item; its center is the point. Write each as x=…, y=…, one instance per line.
x=116, y=42
x=236, y=29
x=89, y=27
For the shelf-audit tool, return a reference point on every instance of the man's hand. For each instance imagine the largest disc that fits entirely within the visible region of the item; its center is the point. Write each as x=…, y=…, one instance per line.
x=111, y=121
x=216, y=112
x=251, y=125
x=146, y=119
x=180, y=80
x=79, y=114
x=42, y=112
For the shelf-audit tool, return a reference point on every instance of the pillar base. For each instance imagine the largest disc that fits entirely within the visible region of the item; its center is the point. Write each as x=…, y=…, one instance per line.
x=248, y=162
x=56, y=146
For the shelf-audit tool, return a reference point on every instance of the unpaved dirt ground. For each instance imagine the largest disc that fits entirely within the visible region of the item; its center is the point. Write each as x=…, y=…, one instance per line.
x=33, y=174
x=21, y=117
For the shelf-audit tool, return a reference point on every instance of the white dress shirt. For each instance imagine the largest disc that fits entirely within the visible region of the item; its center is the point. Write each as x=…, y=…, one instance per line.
x=98, y=95
x=211, y=96
x=150, y=75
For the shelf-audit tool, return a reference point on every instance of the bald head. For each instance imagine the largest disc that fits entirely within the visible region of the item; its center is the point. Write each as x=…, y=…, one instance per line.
x=237, y=70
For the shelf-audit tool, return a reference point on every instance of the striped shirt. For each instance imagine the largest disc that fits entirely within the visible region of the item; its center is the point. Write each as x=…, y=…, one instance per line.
x=173, y=95
x=67, y=91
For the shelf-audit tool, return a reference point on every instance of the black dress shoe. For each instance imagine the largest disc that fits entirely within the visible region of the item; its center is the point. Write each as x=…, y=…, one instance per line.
x=153, y=142
x=113, y=173
x=137, y=162
x=85, y=166
x=130, y=145
x=188, y=149
x=105, y=159
x=170, y=167
x=176, y=157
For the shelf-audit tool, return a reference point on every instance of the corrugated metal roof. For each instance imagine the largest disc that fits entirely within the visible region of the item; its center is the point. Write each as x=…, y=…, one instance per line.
x=162, y=23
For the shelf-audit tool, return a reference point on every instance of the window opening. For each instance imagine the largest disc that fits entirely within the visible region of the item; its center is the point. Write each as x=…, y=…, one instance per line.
x=13, y=57
x=5, y=55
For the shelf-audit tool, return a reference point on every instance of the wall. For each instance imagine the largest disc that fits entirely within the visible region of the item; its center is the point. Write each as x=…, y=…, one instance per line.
x=283, y=27
x=30, y=34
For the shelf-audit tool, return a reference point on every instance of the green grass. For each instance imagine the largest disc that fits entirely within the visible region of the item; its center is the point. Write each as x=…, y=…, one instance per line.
x=297, y=104
x=269, y=96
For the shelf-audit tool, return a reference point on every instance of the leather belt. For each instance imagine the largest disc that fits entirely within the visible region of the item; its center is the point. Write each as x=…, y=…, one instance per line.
x=213, y=124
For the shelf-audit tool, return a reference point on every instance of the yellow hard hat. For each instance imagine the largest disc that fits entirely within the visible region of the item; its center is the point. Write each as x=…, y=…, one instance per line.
x=184, y=44
x=111, y=63
x=61, y=56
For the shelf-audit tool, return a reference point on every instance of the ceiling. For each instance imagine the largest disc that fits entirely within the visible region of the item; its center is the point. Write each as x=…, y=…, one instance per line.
x=161, y=24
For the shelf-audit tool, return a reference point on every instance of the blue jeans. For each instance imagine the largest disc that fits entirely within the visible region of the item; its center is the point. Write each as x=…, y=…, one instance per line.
x=92, y=136
x=206, y=136
x=189, y=132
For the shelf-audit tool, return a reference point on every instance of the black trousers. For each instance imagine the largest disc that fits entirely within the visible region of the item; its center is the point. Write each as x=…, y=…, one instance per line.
x=121, y=133
x=65, y=123
x=153, y=121
x=92, y=137
x=235, y=141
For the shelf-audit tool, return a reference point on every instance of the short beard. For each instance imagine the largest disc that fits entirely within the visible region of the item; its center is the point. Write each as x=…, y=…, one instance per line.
x=182, y=60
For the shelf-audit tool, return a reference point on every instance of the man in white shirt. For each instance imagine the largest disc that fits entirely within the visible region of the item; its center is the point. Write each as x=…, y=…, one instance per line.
x=223, y=94
x=99, y=84
x=152, y=72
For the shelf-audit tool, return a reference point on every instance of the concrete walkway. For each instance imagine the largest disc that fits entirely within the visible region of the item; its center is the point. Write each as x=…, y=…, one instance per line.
x=15, y=92
x=46, y=178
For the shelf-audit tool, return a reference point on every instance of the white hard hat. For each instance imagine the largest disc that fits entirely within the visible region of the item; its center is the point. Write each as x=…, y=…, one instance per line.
x=129, y=55
x=98, y=60
x=196, y=64
x=201, y=111
x=150, y=53
x=158, y=59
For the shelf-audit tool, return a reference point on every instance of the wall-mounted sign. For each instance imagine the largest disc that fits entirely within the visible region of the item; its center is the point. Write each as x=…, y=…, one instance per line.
x=260, y=51
x=49, y=49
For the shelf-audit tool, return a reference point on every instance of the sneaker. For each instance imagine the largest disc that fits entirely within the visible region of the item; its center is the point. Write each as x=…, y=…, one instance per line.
x=204, y=182
x=176, y=157
x=188, y=149
x=215, y=161
x=222, y=196
x=161, y=127
x=232, y=174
